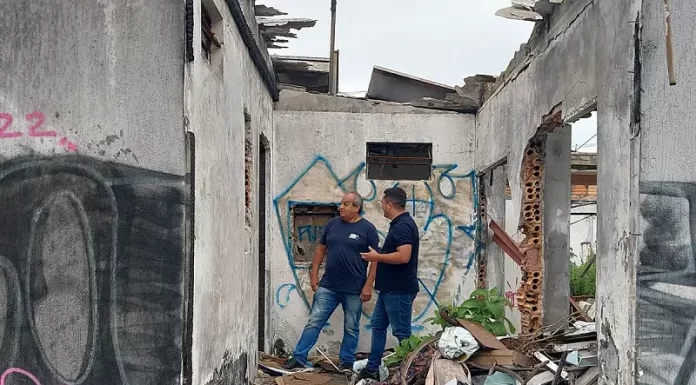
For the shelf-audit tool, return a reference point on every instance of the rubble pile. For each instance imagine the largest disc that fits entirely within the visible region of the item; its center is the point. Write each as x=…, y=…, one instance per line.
x=465, y=353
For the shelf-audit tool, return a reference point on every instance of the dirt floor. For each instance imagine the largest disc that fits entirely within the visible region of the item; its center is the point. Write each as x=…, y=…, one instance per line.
x=336, y=379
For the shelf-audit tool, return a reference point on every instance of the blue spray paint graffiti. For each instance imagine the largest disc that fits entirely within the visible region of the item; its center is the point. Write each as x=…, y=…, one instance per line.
x=422, y=203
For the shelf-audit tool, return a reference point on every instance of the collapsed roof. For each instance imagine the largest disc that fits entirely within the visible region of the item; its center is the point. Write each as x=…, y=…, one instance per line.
x=277, y=29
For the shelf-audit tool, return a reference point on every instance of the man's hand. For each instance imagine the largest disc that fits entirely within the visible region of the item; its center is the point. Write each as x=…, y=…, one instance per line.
x=370, y=256
x=314, y=282
x=366, y=293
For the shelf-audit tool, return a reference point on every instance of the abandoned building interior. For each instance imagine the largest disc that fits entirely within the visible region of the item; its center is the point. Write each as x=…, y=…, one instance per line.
x=157, y=221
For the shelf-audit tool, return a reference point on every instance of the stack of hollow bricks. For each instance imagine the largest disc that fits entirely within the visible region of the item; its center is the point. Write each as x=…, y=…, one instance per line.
x=482, y=261
x=529, y=295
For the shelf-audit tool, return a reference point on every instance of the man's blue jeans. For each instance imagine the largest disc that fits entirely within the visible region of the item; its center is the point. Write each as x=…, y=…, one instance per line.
x=324, y=304
x=394, y=310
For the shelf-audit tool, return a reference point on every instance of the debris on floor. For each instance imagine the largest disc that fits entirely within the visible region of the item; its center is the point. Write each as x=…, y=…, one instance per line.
x=466, y=353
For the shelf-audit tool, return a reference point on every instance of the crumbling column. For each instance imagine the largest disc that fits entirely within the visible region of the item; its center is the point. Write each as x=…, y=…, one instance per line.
x=556, y=217
x=529, y=294
x=482, y=235
x=495, y=181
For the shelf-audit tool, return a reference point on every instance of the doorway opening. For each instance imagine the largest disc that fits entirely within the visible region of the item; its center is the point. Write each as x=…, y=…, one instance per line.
x=263, y=178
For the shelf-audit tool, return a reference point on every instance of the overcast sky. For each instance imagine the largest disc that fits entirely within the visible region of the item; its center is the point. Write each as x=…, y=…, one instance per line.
x=440, y=40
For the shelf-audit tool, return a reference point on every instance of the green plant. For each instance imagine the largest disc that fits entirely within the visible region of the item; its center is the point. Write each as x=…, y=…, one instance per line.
x=583, y=285
x=583, y=276
x=485, y=307
x=404, y=349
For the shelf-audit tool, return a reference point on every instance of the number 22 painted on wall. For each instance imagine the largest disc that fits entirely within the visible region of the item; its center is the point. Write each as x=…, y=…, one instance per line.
x=36, y=119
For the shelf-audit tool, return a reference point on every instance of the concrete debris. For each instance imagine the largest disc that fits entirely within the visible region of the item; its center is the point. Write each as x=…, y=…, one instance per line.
x=273, y=28
x=515, y=13
x=530, y=359
x=447, y=105
x=261, y=10
x=541, y=7
x=524, y=4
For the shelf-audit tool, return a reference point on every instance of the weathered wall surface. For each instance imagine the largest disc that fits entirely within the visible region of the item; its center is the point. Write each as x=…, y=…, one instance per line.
x=666, y=290
x=575, y=67
x=617, y=176
x=226, y=255
x=319, y=155
x=559, y=70
x=554, y=83
x=92, y=192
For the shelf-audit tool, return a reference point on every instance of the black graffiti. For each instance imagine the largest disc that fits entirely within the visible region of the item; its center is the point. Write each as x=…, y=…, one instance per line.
x=666, y=280
x=91, y=254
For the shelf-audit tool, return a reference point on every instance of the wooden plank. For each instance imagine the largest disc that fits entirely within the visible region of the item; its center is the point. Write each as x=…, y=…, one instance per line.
x=550, y=365
x=483, y=336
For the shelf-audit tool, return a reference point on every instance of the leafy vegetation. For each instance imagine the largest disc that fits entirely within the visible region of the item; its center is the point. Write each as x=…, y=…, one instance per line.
x=404, y=349
x=583, y=285
x=485, y=307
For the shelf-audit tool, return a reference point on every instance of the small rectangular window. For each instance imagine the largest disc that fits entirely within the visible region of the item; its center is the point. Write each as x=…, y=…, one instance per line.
x=210, y=20
x=399, y=161
x=308, y=226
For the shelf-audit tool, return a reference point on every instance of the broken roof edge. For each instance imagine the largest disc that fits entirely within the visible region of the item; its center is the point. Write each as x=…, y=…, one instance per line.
x=294, y=99
x=302, y=58
x=411, y=77
x=543, y=35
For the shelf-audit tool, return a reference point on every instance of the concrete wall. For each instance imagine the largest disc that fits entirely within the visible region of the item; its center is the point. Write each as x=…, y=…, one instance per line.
x=559, y=70
x=319, y=154
x=226, y=254
x=666, y=285
x=92, y=191
x=572, y=65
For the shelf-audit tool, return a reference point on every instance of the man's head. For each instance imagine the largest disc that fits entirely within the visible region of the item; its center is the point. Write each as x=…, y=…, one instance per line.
x=393, y=202
x=351, y=206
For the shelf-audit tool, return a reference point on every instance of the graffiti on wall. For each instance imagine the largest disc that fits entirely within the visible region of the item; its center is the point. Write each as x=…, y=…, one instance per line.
x=33, y=126
x=667, y=284
x=444, y=208
x=91, y=255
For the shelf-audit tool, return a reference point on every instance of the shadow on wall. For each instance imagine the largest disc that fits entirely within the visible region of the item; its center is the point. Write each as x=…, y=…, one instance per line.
x=444, y=208
x=91, y=254
x=667, y=284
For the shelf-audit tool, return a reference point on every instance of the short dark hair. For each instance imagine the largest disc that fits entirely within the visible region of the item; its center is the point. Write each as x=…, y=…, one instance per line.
x=396, y=195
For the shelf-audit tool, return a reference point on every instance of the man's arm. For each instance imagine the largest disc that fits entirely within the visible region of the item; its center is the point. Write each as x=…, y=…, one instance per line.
x=400, y=257
x=403, y=238
x=319, y=254
x=366, y=293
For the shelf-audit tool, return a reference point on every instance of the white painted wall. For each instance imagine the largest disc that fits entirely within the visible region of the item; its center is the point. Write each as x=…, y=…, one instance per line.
x=315, y=150
x=226, y=252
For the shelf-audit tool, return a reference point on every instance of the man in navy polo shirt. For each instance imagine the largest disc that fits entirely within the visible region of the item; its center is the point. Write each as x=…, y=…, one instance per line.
x=346, y=280
x=396, y=281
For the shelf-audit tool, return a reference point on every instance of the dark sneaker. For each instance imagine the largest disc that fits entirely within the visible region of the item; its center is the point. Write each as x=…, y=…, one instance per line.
x=346, y=367
x=292, y=363
x=367, y=375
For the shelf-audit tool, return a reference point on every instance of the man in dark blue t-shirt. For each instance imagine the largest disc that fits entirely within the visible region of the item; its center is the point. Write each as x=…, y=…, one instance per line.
x=346, y=280
x=397, y=278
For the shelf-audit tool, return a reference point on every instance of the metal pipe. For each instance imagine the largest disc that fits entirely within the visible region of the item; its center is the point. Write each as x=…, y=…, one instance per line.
x=332, y=52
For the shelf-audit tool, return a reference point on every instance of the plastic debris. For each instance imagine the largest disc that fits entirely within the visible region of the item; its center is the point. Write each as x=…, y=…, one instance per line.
x=500, y=378
x=457, y=342
x=383, y=371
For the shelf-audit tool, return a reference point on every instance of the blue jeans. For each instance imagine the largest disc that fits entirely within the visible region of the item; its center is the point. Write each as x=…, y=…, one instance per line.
x=394, y=310
x=324, y=304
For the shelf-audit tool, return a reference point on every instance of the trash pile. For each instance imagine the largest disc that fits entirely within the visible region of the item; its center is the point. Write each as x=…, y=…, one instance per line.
x=466, y=353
